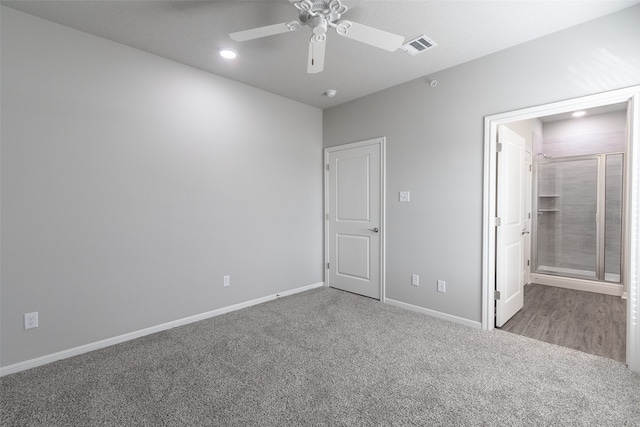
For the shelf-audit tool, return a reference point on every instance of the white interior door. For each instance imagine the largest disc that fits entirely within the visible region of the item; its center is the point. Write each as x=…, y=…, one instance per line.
x=511, y=208
x=354, y=213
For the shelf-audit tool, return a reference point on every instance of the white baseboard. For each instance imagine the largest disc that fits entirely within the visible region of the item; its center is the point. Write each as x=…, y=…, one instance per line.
x=43, y=360
x=433, y=313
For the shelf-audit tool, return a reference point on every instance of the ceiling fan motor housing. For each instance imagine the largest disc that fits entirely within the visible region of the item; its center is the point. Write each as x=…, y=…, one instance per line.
x=329, y=11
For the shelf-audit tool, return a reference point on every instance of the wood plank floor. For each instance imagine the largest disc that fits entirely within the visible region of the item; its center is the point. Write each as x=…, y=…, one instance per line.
x=585, y=321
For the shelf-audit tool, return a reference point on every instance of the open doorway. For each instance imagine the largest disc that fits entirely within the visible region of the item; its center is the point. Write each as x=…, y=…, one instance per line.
x=574, y=214
x=629, y=244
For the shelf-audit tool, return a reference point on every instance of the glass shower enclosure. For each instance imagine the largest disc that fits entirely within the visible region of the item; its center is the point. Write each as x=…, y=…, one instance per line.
x=579, y=204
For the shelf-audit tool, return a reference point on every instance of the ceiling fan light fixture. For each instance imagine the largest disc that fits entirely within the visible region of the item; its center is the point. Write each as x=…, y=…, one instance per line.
x=228, y=53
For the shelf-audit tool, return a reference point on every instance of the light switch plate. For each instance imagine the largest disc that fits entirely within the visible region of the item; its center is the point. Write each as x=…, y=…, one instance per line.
x=405, y=196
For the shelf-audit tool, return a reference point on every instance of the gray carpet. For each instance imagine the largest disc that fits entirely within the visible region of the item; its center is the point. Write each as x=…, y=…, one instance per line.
x=325, y=358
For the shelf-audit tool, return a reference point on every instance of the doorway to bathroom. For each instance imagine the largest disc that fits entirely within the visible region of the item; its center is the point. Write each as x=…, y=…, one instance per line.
x=577, y=225
x=559, y=207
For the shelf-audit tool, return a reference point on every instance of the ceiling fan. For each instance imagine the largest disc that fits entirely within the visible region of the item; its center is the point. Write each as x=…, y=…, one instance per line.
x=319, y=16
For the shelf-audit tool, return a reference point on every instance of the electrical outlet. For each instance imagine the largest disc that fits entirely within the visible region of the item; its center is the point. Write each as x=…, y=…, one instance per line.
x=31, y=320
x=226, y=280
x=415, y=280
x=441, y=286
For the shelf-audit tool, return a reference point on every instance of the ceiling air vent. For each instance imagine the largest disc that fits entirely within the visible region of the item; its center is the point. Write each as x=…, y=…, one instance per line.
x=418, y=45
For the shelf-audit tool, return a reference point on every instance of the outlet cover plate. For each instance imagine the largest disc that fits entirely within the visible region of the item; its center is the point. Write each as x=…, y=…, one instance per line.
x=441, y=286
x=415, y=280
x=405, y=196
x=31, y=320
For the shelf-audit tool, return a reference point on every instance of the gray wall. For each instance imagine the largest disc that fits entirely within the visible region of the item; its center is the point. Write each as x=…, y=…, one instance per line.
x=600, y=133
x=131, y=184
x=435, y=147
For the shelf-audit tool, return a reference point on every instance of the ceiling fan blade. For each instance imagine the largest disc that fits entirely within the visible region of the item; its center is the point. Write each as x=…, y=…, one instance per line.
x=316, y=53
x=269, y=30
x=369, y=35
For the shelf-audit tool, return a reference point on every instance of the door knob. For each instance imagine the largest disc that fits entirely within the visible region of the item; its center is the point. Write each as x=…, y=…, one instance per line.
x=524, y=231
x=375, y=230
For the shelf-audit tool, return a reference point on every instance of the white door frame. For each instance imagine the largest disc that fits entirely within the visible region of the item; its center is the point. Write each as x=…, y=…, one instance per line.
x=630, y=95
x=381, y=143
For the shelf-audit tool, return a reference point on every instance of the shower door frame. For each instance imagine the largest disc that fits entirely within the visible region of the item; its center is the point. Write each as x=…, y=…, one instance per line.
x=597, y=284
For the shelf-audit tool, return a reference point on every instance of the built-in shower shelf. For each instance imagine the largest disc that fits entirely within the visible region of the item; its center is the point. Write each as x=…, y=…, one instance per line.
x=548, y=203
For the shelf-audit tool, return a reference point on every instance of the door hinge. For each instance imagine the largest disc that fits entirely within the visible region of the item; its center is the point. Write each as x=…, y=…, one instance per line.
x=327, y=266
x=496, y=295
x=528, y=263
x=327, y=166
x=498, y=221
x=499, y=147
x=327, y=217
x=529, y=168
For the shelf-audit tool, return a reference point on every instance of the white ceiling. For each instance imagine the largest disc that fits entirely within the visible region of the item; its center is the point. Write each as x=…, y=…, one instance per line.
x=191, y=32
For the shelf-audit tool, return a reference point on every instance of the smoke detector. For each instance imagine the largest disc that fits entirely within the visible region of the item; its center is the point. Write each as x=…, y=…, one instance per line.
x=418, y=45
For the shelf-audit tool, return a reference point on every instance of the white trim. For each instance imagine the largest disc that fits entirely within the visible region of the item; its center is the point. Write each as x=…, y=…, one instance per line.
x=632, y=267
x=382, y=142
x=488, y=224
x=578, y=284
x=43, y=360
x=433, y=313
x=632, y=248
x=383, y=221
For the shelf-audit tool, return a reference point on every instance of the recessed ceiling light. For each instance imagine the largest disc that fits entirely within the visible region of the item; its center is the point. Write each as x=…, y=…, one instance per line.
x=227, y=53
x=579, y=113
x=331, y=93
